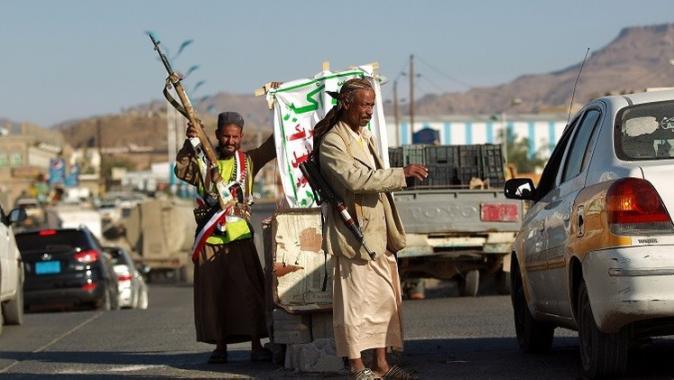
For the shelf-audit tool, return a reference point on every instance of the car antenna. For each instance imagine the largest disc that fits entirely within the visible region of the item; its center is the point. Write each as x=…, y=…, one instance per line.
x=573, y=93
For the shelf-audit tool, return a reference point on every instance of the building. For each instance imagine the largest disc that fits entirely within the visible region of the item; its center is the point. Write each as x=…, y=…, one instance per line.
x=542, y=130
x=25, y=153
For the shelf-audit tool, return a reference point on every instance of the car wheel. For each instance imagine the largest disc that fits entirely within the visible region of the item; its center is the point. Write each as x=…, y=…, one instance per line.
x=532, y=336
x=470, y=283
x=601, y=354
x=13, y=309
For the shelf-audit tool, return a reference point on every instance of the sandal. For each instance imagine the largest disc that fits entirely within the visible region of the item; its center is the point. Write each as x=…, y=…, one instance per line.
x=218, y=357
x=260, y=355
x=398, y=373
x=364, y=374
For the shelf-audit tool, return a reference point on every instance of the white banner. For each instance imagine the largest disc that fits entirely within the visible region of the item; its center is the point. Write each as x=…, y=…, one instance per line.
x=298, y=106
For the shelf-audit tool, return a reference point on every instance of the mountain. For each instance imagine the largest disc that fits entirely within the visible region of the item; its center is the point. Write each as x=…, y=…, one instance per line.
x=638, y=58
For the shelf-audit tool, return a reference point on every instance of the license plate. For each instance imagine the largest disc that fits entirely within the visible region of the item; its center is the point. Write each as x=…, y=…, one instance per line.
x=47, y=267
x=499, y=212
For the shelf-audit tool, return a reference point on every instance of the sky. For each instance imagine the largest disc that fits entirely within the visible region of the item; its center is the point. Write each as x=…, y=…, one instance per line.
x=67, y=59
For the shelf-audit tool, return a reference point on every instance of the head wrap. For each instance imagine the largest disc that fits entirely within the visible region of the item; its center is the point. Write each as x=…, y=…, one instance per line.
x=345, y=96
x=226, y=118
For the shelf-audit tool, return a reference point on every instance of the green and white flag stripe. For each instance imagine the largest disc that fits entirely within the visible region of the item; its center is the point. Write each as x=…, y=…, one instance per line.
x=298, y=106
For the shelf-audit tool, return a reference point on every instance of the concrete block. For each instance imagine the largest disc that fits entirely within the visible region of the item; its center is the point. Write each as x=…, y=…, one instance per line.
x=290, y=328
x=321, y=326
x=317, y=356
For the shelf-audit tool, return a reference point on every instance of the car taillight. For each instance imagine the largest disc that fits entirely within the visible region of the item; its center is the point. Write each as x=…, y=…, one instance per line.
x=634, y=207
x=47, y=232
x=499, y=212
x=124, y=277
x=89, y=286
x=88, y=256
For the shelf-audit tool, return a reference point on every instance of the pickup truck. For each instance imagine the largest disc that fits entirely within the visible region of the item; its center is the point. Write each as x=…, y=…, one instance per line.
x=455, y=232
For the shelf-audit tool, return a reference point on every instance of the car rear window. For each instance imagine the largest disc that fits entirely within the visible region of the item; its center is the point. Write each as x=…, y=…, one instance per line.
x=646, y=132
x=30, y=241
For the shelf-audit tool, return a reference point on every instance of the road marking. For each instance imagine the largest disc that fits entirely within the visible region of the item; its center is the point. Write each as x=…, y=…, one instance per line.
x=100, y=371
x=55, y=340
x=132, y=368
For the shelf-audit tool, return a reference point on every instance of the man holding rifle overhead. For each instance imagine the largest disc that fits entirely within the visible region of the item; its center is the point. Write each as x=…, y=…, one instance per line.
x=228, y=278
x=366, y=295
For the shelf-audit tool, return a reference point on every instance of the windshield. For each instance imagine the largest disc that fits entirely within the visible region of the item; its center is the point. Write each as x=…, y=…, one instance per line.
x=646, y=132
x=46, y=239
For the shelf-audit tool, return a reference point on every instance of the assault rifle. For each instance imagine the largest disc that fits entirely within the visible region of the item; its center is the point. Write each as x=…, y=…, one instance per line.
x=174, y=80
x=323, y=192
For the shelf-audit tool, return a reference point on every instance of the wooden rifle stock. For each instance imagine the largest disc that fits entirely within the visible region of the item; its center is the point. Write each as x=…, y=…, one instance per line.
x=174, y=80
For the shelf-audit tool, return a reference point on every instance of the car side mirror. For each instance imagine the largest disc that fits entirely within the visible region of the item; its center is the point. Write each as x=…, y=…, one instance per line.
x=17, y=215
x=520, y=188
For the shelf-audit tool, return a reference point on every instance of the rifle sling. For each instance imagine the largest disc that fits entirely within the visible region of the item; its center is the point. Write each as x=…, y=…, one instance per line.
x=174, y=102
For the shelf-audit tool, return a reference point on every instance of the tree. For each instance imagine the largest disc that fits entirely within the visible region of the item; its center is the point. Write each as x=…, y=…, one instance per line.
x=518, y=154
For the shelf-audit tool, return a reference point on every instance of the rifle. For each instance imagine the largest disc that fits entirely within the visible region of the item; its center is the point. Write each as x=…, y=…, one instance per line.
x=174, y=80
x=323, y=192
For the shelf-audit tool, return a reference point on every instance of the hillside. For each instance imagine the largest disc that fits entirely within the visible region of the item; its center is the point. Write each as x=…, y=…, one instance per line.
x=639, y=57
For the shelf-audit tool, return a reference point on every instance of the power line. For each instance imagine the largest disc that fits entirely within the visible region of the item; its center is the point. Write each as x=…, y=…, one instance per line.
x=431, y=83
x=442, y=73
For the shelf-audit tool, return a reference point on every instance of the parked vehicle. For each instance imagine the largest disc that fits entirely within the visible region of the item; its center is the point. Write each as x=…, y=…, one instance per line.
x=161, y=231
x=75, y=215
x=35, y=214
x=11, y=269
x=456, y=231
x=595, y=250
x=132, y=288
x=67, y=267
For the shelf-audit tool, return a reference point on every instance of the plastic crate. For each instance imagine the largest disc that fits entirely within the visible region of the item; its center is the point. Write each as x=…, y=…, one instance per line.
x=395, y=157
x=470, y=156
x=442, y=175
x=442, y=155
x=466, y=173
x=438, y=176
x=414, y=154
x=492, y=164
x=494, y=182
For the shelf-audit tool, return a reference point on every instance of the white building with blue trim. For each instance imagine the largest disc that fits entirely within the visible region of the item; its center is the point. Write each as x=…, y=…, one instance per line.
x=542, y=130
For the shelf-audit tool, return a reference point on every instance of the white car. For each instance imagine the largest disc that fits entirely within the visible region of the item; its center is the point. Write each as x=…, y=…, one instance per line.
x=133, y=292
x=596, y=248
x=11, y=270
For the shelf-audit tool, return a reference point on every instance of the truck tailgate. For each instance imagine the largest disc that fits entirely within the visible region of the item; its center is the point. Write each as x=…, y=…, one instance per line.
x=447, y=211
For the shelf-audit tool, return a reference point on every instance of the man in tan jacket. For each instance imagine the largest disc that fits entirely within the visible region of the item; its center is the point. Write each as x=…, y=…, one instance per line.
x=366, y=296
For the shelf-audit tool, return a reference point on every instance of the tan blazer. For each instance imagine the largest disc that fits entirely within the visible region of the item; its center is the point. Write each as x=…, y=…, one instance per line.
x=366, y=192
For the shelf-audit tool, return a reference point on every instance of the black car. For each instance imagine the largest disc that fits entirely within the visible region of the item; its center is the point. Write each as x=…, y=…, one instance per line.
x=66, y=267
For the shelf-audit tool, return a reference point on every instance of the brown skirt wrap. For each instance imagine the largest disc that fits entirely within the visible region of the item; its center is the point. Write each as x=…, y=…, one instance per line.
x=229, y=294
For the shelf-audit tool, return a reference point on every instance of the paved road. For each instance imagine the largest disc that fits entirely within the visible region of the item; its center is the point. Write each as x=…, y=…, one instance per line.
x=445, y=338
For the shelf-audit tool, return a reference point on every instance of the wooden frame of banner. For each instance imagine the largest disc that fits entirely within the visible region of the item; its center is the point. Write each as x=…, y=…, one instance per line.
x=325, y=66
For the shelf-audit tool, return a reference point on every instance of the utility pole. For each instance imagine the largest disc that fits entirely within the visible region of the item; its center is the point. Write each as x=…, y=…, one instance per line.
x=396, y=114
x=412, y=95
x=99, y=145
